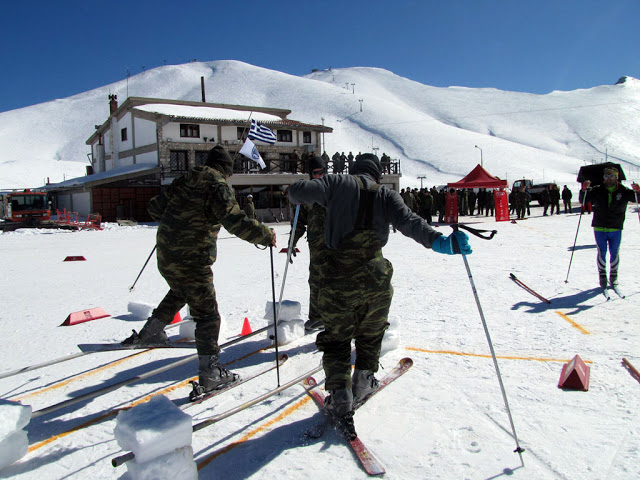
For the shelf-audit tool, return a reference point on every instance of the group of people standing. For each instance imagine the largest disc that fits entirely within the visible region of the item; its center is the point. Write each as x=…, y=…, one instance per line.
x=341, y=163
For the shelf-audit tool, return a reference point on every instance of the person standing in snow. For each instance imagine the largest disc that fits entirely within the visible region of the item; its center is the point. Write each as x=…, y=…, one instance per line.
x=554, y=195
x=190, y=213
x=311, y=220
x=566, y=199
x=249, y=207
x=356, y=291
x=609, y=202
x=545, y=198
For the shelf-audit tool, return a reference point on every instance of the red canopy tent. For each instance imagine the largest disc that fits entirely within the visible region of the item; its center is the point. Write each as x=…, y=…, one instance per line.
x=479, y=178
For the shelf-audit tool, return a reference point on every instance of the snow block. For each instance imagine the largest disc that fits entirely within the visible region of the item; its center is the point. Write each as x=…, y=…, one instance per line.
x=13, y=448
x=85, y=316
x=13, y=417
x=575, y=375
x=140, y=310
x=153, y=429
x=390, y=341
x=188, y=328
x=290, y=310
x=289, y=330
x=177, y=464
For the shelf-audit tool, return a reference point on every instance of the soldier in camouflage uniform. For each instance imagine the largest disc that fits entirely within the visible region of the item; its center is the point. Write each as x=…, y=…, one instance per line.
x=356, y=291
x=311, y=219
x=190, y=213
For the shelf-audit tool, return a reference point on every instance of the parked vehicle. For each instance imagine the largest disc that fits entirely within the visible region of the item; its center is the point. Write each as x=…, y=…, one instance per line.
x=24, y=206
x=535, y=190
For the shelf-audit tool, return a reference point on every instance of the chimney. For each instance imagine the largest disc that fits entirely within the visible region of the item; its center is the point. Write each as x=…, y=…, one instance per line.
x=113, y=103
x=204, y=98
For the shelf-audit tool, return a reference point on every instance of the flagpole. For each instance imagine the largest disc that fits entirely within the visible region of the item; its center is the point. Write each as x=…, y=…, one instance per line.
x=245, y=129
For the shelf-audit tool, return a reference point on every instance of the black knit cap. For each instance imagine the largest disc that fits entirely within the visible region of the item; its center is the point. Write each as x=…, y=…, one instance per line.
x=316, y=163
x=219, y=157
x=367, y=163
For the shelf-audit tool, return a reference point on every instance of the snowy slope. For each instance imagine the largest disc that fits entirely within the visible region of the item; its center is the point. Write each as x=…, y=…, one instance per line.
x=445, y=419
x=432, y=130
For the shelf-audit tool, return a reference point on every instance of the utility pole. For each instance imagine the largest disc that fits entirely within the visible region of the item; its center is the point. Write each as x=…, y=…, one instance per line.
x=421, y=177
x=322, y=118
x=353, y=86
x=361, y=100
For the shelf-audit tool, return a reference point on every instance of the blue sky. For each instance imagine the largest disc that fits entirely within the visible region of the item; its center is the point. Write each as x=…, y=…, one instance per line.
x=57, y=49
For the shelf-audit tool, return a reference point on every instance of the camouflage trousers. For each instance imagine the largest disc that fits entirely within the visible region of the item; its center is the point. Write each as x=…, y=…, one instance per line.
x=354, y=304
x=315, y=282
x=193, y=286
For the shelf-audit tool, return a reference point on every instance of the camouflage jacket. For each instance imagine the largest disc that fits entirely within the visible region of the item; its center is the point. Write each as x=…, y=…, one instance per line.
x=192, y=210
x=311, y=219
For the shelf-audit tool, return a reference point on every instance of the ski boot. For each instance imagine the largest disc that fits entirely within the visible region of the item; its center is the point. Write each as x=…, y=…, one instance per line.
x=151, y=334
x=613, y=279
x=339, y=405
x=364, y=384
x=212, y=376
x=603, y=280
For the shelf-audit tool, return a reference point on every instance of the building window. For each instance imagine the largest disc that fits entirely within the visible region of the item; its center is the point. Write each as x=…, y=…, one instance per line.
x=242, y=133
x=178, y=161
x=201, y=158
x=285, y=136
x=306, y=137
x=189, y=130
x=123, y=134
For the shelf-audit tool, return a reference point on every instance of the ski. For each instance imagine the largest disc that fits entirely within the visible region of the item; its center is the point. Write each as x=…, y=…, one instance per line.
x=401, y=367
x=368, y=461
x=606, y=293
x=528, y=289
x=618, y=292
x=195, y=398
x=109, y=347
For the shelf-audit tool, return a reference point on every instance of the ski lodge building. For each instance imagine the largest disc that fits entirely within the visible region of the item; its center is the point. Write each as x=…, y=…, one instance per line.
x=146, y=143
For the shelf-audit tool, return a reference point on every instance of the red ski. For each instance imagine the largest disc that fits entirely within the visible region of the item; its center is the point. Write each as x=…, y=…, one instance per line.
x=367, y=459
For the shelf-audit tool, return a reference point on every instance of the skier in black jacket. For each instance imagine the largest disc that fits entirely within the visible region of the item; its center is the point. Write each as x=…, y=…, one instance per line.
x=609, y=208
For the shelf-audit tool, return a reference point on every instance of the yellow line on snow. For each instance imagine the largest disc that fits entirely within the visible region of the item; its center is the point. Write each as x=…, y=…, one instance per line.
x=75, y=378
x=88, y=423
x=465, y=354
x=573, y=324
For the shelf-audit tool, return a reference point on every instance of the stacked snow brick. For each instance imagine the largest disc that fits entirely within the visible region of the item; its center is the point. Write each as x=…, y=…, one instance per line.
x=14, y=443
x=159, y=434
x=290, y=325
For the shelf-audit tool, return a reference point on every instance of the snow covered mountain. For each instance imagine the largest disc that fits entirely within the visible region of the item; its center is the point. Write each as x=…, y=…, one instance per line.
x=434, y=131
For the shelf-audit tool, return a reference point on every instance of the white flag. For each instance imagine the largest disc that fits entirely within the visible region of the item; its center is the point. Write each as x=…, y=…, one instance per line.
x=249, y=150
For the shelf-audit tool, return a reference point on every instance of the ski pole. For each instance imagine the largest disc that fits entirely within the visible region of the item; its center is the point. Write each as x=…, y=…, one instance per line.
x=518, y=449
x=637, y=207
x=276, y=315
x=573, y=250
x=143, y=267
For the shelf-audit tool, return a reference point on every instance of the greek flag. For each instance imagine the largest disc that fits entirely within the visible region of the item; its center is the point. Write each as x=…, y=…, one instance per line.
x=261, y=133
x=249, y=150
